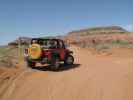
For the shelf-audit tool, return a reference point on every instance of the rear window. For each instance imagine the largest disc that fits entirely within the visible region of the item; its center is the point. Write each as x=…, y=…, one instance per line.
x=45, y=43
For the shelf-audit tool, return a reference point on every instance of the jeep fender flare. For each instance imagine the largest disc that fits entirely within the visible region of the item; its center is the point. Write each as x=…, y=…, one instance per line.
x=69, y=53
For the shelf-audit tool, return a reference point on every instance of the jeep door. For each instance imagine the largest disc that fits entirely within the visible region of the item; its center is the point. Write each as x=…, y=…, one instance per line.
x=62, y=50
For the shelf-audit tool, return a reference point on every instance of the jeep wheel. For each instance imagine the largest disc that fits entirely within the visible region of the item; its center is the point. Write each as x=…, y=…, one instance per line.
x=69, y=60
x=55, y=64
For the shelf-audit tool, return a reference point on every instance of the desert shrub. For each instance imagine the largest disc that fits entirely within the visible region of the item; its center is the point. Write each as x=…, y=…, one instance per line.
x=101, y=46
x=107, y=45
x=120, y=42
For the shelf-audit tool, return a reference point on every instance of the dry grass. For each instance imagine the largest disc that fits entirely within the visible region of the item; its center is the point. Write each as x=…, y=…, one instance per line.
x=9, y=56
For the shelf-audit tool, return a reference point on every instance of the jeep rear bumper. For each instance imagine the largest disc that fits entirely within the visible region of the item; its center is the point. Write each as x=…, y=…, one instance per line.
x=40, y=60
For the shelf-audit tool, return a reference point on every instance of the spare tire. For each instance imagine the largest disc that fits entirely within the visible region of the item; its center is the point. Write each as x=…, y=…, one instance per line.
x=35, y=51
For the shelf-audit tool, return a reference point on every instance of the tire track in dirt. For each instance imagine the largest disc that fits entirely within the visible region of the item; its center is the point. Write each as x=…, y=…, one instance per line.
x=10, y=85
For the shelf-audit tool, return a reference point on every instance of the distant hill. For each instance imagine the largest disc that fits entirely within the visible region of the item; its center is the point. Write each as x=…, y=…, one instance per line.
x=99, y=36
x=99, y=30
x=89, y=36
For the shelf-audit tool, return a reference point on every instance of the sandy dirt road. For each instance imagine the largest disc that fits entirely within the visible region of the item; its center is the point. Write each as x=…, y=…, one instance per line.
x=93, y=77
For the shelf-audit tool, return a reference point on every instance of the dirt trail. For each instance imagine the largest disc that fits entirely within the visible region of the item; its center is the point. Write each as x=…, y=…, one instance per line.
x=93, y=77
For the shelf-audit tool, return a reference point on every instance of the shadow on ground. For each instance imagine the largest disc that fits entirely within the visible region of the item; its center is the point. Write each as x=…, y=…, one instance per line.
x=62, y=67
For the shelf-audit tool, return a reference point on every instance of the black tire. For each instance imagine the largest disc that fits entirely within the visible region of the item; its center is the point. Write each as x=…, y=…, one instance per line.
x=55, y=65
x=69, y=60
x=31, y=64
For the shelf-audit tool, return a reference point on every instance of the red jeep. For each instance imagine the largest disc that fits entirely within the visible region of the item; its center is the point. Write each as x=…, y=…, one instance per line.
x=48, y=51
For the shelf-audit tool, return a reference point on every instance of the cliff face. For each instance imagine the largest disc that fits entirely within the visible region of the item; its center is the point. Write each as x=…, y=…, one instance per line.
x=99, y=35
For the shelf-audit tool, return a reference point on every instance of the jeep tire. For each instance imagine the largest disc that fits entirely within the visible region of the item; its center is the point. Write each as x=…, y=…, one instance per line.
x=69, y=60
x=55, y=64
x=31, y=64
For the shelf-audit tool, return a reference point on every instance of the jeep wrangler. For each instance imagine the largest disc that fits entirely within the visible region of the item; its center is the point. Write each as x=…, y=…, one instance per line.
x=48, y=51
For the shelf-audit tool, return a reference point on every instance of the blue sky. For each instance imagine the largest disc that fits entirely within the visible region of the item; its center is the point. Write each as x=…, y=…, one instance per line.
x=57, y=17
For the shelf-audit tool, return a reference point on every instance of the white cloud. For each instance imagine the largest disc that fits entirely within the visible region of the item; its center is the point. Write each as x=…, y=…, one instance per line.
x=129, y=27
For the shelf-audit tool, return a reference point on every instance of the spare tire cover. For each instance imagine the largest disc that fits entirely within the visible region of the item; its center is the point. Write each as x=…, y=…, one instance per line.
x=35, y=51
